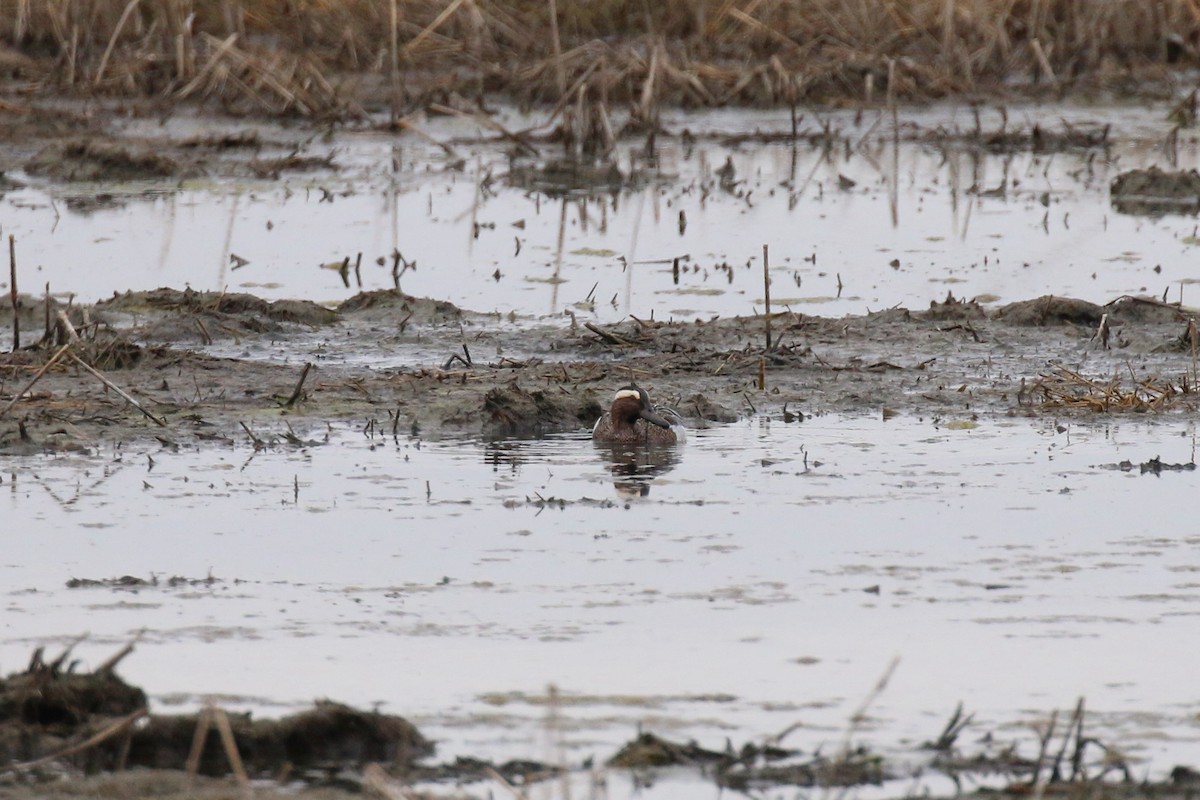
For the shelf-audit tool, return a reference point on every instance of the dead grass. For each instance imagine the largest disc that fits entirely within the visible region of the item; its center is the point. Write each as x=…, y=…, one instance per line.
x=278, y=56
x=1066, y=388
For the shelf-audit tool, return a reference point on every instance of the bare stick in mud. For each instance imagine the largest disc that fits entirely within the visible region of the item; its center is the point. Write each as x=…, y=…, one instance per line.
x=111, y=662
x=408, y=126
x=488, y=122
x=608, y=336
x=767, y=292
x=57, y=664
x=379, y=782
x=258, y=443
x=1045, y=737
x=394, y=47
x=49, y=363
x=12, y=285
x=230, y=744
x=291, y=401
x=46, y=313
x=859, y=717
x=117, y=727
x=98, y=375
x=203, y=723
x=500, y=779
x=66, y=328
x=1075, y=725
x=556, y=41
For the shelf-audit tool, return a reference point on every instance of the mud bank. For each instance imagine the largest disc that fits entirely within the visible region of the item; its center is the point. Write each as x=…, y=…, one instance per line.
x=391, y=364
x=65, y=733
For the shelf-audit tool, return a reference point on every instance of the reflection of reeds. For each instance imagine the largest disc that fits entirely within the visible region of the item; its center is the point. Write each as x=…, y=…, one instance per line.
x=277, y=55
x=1066, y=388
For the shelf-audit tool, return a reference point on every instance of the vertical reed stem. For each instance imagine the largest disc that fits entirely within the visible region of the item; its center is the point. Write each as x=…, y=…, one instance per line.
x=12, y=284
x=395, y=45
x=559, y=76
x=767, y=291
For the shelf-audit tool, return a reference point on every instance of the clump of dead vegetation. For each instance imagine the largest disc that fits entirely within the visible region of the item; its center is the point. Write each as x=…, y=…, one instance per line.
x=92, y=721
x=1065, y=388
x=278, y=57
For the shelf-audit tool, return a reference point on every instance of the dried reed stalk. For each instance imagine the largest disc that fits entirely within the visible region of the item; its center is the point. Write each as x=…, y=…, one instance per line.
x=431, y=27
x=743, y=51
x=1066, y=388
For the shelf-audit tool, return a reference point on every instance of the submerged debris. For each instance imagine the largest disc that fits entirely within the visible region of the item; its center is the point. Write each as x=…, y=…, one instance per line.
x=95, y=159
x=1155, y=192
x=1154, y=466
x=133, y=582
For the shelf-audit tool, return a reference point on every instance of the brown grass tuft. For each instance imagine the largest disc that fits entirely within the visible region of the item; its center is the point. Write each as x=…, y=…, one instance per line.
x=278, y=56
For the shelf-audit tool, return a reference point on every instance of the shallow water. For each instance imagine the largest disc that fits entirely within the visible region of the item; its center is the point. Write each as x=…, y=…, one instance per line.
x=763, y=575
x=910, y=231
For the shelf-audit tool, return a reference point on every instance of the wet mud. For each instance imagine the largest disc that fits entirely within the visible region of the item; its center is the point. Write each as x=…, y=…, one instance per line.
x=200, y=370
x=55, y=718
x=441, y=371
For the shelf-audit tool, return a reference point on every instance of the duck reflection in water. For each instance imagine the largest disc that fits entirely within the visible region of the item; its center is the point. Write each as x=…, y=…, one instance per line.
x=637, y=438
x=635, y=467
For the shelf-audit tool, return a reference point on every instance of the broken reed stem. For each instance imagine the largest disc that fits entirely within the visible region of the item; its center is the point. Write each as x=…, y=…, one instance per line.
x=230, y=744
x=299, y=386
x=46, y=313
x=203, y=721
x=395, y=50
x=408, y=126
x=894, y=189
x=1193, y=337
x=608, y=336
x=554, y=731
x=111, y=662
x=112, y=730
x=100, y=377
x=112, y=41
x=860, y=714
x=209, y=716
x=560, y=78
x=67, y=328
x=258, y=443
x=49, y=363
x=767, y=292
x=1043, y=62
x=12, y=283
x=1036, y=778
x=487, y=122
x=1078, y=769
x=500, y=779
x=447, y=12
x=382, y=784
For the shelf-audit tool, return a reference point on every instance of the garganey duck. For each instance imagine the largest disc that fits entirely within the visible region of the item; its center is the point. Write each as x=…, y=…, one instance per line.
x=634, y=419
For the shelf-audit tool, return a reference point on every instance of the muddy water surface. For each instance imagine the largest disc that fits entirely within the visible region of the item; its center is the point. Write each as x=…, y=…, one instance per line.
x=761, y=578
x=764, y=574
x=855, y=222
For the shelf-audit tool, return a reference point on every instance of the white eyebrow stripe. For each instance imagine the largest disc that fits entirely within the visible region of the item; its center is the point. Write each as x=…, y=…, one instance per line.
x=628, y=393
